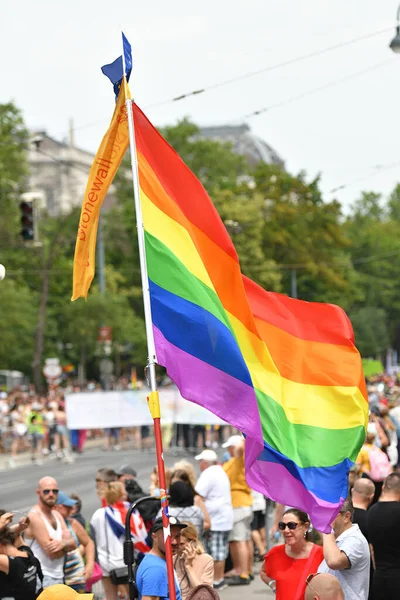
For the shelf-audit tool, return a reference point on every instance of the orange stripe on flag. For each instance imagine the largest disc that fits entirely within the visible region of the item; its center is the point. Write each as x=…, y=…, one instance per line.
x=105, y=165
x=314, y=363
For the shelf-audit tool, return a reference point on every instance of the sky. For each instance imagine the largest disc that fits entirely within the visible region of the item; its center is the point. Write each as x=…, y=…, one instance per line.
x=52, y=52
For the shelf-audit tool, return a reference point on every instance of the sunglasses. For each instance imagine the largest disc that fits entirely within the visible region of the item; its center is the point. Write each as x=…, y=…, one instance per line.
x=100, y=480
x=47, y=492
x=291, y=525
x=308, y=582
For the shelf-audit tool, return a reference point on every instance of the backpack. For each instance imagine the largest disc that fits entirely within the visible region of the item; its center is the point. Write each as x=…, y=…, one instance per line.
x=380, y=465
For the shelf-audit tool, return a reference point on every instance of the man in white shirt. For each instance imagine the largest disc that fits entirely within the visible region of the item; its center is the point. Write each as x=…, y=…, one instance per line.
x=347, y=556
x=214, y=487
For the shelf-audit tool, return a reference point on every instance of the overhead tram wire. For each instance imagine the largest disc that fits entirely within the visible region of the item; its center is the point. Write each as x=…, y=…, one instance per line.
x=284, y=63
x=320, y=88
x=374, y=172
x=249, y=74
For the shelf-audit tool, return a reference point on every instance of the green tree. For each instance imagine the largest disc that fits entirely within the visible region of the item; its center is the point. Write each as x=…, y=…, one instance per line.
x=375, y=254
x=212, y=161
x=393, y=206
x=13, y=170
x=82, y=321
x=17, y=325
x=371, y=331
x=241, y=210
x=304, y=233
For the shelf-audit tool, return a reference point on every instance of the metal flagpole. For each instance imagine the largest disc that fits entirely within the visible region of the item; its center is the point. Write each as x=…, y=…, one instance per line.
x=153, y=399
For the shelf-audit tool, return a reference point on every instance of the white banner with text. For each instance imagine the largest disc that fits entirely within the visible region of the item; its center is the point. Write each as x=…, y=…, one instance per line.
x=98, y=410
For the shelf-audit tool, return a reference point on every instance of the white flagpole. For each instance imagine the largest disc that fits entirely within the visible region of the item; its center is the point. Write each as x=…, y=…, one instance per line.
x=153, y=400
x=152, y=357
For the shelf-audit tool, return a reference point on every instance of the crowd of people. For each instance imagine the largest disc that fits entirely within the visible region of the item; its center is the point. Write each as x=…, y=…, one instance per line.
x=34, y=423
x=37, y=424
x=217, y=523
x=211, y=519
x=217, y=526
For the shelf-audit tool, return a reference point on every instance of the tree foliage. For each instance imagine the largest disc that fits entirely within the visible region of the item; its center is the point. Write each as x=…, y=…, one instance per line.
x=278, y=221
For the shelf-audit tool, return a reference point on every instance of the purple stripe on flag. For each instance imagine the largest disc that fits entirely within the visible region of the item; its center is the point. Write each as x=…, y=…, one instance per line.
x=203, y=384
x=275, y=481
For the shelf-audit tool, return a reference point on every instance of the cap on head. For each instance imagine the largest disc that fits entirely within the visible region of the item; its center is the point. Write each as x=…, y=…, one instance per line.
x=208, y=455
x=234, y=440
x=63, y=592
x=126, y=470
x=65, y=500
x=173, y=522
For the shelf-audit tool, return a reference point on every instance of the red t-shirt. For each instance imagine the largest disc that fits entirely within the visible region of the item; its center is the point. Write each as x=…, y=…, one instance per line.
x=289, y=573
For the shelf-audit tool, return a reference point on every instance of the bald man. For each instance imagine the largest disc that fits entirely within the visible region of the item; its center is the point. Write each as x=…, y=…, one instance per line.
x=324, y=586
x=362, y=495
x=48, y=535
x=363, y=492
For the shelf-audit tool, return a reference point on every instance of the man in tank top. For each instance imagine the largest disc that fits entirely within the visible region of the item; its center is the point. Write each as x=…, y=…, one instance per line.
x=48, y=535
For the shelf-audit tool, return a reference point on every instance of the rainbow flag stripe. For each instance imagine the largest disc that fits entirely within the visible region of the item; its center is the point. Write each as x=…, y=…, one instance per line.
x=285, y=372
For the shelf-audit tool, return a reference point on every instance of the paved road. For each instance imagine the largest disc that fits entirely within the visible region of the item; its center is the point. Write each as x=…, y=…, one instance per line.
x=17, y=490
x=18, y=485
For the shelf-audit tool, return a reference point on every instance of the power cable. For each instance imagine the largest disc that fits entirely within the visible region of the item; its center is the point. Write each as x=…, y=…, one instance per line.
x=250, y=74
x=330, y=84
x=377, y=169
x=281, y=64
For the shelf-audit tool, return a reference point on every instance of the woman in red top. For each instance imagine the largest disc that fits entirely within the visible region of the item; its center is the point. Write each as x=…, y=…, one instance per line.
x=286, y=566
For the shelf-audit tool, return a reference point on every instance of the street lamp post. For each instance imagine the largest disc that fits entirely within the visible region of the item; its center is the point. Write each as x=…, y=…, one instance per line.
x=395, y=43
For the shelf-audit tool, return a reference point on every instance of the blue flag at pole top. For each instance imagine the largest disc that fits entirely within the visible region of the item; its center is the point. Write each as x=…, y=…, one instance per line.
x=127, y=54
x=114, y=71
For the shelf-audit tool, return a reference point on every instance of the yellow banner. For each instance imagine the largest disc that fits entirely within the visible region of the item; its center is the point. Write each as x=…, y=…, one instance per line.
x=103, y=170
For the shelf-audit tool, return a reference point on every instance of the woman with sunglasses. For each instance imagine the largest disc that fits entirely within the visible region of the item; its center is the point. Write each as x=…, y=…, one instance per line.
x=286, y=566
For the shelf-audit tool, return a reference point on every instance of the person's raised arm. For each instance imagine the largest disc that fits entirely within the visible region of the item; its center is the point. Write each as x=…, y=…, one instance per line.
x=335, y=558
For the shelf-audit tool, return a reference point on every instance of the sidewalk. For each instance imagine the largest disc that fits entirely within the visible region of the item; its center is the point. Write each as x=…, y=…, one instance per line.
x=257, y=589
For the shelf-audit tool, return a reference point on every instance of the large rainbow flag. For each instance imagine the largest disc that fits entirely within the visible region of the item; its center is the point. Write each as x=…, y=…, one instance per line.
x=285, y=372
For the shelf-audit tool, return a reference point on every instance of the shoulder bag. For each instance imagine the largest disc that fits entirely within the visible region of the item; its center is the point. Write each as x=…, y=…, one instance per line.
x=118, y=576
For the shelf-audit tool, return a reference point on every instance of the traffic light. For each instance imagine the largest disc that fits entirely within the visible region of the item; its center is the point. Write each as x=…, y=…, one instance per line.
x=27, y=220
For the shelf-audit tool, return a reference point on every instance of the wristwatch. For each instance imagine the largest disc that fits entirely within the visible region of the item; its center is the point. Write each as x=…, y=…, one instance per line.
x=272, y=585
